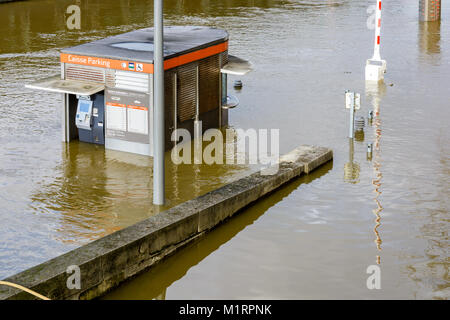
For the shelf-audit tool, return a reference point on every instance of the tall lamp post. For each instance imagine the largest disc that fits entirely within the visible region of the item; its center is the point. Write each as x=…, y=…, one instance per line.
x=158, y=106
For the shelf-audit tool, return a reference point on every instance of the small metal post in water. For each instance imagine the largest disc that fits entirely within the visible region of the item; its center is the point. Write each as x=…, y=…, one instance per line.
x=158, y=127
x=352, y=102
x=376, y=67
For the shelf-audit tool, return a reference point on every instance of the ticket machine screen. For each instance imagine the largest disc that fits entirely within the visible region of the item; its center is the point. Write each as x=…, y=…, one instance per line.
x=85, y=106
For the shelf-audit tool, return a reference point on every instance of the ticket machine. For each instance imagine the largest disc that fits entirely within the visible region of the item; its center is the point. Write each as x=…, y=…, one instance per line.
x=89, y=118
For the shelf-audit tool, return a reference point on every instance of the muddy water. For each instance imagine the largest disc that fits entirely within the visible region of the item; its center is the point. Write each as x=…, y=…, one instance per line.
x=313, y=239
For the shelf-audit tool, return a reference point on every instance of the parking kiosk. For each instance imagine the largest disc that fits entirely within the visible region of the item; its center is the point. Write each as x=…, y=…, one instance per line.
x=108, y=86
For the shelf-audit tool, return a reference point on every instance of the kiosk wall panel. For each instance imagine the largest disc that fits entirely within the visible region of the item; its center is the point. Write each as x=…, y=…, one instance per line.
x=209, y=72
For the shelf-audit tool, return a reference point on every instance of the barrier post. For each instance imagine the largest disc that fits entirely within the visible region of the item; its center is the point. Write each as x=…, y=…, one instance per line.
x=376, y=67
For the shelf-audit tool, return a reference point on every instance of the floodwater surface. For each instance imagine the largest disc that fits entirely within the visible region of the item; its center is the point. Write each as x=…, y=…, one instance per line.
x=315, y=237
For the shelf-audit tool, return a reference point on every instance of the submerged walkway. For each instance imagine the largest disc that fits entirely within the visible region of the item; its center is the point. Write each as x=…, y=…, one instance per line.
x=107, y=262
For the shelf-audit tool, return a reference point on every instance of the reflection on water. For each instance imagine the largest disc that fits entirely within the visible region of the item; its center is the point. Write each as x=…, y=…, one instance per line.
x=100, y=191
x=430, y=38
x=41, y=24
x=155, y=283
x=80, y=194
x=351, y=168
x=376, y=92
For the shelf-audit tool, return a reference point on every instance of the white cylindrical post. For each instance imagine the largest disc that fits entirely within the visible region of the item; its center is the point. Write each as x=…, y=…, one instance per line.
x=376, y=50
x=158, y=106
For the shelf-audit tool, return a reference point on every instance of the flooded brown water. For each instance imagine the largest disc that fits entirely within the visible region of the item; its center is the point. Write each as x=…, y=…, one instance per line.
x=314, y=238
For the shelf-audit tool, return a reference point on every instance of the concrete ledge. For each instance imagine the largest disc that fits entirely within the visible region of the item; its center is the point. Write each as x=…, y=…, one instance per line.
x=107, y=262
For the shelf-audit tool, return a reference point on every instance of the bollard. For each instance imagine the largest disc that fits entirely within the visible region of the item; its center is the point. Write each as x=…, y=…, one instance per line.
x=430, y=39
x=375, y=67
x=429, y=10
x=369, y=151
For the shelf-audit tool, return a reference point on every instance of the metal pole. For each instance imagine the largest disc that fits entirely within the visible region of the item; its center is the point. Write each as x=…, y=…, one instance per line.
x=376, y=49
x=350, y=103
x=158, y=108
x=197, y=123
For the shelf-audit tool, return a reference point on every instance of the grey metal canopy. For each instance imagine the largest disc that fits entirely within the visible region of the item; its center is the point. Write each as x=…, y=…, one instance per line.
x=138, y=45
x=55, y=84
x=236, y=66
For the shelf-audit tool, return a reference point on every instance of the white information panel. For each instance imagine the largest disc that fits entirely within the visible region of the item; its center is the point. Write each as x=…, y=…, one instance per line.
x=127, y=115
x=137, y=119
x=116, y=116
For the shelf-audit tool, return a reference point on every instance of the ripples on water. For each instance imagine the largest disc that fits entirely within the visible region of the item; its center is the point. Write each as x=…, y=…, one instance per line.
x=314, y=238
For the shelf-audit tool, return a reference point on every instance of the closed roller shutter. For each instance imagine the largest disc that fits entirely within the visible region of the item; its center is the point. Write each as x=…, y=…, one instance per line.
x=169, y=105
x=186, y=92
x=83, y=73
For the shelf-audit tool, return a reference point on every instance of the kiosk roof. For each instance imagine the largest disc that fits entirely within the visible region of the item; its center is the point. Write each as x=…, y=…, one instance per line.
x=138, y=45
